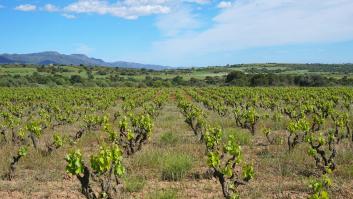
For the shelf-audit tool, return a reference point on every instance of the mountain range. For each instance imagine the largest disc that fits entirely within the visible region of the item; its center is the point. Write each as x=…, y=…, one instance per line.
x=51, y=57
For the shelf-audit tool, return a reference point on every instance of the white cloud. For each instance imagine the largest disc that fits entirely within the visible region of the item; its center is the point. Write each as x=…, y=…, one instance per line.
x=198, y=1
x=260, y=23
x=128, y=9
x=26, y=7
x=50, y=8
x=68, y=16
x=178, y=22
x=224, y=4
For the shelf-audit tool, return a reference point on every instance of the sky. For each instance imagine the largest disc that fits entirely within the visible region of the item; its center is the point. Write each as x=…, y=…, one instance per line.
x=182, y=32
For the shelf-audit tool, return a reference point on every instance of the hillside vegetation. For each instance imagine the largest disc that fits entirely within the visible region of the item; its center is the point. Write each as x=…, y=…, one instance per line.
x=236, y=75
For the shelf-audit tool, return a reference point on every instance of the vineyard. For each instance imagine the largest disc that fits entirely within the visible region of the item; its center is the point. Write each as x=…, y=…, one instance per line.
x=216, y=142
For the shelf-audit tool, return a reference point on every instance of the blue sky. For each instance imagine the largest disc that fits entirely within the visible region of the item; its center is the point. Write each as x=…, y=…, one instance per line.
x=182, y=32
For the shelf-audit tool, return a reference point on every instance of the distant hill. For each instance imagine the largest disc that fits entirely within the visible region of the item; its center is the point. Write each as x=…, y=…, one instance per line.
x=5, y=60
x=46, y=58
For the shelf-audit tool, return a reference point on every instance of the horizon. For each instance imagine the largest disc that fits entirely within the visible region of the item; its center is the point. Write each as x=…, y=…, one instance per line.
x=188, y=33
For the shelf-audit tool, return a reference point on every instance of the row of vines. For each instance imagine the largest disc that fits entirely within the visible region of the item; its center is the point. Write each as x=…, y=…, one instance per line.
x=42, y=121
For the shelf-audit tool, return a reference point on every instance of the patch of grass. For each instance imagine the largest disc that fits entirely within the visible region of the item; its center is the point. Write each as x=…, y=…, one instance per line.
x=345, y=171
x=242, y=137
x=265, y=154
x=176, y=166
x=345, y=156
x=134, y=183
x=169, y=118
x=150, y=158
x=296, y=162
x=163, y=194
x=278, y=140
x=276, y=122
x=168, y=138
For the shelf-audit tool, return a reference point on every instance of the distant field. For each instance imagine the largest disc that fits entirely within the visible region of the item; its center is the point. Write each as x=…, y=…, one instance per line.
x=194, y=74
x=17, y=71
